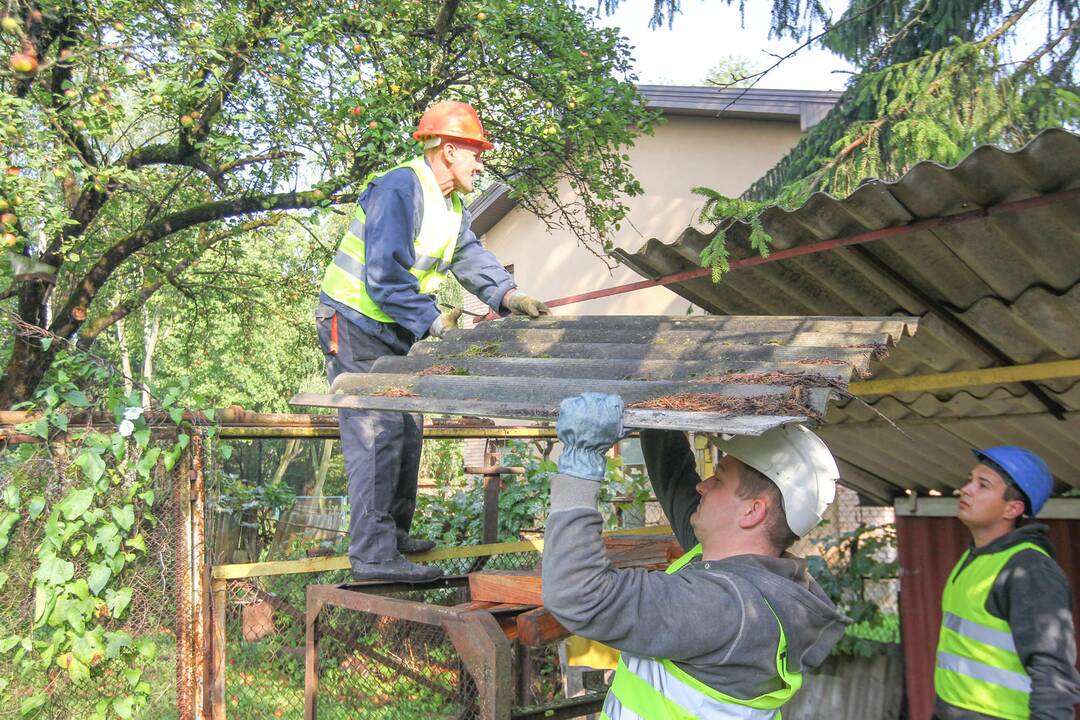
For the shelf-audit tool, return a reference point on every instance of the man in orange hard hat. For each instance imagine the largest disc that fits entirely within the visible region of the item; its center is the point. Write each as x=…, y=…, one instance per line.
x=377, y=298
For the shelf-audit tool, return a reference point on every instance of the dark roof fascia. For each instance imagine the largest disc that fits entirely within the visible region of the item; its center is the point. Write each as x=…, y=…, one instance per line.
x=806, y=107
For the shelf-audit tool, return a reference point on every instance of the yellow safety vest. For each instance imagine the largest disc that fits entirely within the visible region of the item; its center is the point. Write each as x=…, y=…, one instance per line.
x=977, y=665
x=657, y=689
x=345, y=279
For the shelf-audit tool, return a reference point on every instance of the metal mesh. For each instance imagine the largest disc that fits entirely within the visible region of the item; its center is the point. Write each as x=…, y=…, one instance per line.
x=151, y=614
x=390, y=668
x=371, y=666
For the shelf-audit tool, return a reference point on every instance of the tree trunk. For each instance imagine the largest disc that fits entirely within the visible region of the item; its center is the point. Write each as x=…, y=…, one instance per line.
x=151, y=331
x=320, y=462
x=292, y=449
x=125, y=357
x=29, y=361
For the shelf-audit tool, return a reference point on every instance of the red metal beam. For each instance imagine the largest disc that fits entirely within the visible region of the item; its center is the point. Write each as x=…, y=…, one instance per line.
x=857, y=239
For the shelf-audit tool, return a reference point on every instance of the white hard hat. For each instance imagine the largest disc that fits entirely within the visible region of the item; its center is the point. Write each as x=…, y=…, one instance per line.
x=800, y=464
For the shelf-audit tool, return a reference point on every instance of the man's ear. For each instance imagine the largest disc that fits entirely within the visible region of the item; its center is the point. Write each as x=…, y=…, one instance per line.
x=1013, y=509
x=755, y=513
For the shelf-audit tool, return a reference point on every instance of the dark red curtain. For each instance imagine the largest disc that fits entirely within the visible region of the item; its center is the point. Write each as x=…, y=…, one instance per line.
x=928, y=549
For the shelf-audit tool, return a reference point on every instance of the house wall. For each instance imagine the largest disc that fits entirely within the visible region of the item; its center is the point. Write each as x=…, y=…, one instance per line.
x=724, y=154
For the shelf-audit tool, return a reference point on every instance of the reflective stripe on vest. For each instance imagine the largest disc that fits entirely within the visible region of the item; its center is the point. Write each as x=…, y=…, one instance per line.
x=655, y=689
x=345, y=279
x=978, y=668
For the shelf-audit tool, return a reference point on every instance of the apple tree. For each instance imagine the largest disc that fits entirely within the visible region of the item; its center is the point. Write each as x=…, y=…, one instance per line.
x=138, y=137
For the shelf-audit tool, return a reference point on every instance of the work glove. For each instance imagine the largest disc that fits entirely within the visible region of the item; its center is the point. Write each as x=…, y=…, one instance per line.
x=588, y=426
x=445, y=322
x=521, y=304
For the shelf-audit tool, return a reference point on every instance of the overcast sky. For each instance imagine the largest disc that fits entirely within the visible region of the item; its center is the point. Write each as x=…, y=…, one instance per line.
x=707, y=30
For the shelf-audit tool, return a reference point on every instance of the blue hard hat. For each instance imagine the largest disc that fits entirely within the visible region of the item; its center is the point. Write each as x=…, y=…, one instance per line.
x=1023, y=468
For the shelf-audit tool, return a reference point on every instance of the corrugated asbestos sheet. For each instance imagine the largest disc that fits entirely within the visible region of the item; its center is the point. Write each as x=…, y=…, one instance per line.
x=738, y=375
x=998, y=291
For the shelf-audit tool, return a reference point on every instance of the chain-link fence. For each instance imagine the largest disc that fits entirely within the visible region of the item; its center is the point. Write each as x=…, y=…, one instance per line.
x=156, y=620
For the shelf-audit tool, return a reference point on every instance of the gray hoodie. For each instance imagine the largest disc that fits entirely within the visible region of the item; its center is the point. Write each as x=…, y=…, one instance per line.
x=713, y=619
x=1031, y=593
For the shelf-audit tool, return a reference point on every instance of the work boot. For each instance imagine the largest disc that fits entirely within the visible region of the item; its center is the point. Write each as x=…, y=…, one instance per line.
x=409, y=545
x=396, y=570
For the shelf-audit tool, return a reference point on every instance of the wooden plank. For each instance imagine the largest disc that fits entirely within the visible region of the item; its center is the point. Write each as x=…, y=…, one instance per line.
x=525, y=586
x=642, y=552
x=539, y=627
x=521, y=587
x=968, y=378
x=632, y=419
x=492, y=489
x=341, y=562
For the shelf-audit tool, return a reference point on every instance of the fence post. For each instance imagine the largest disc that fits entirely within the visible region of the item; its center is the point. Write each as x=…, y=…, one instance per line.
x=199, y=573
x=182, y=576
x=217, y=645
x=492, y=488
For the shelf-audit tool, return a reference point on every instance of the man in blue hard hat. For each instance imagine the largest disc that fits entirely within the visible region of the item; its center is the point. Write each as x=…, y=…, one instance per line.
x=1007, y=647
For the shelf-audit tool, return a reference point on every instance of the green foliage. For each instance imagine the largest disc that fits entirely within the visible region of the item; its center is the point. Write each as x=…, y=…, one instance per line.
x=935, y=81
x=155, y=144
x=731, y=71
x=456, y=516
x=443, y=461
x=251, y=505
x=725, y=210
x=630, y=486
x=850, y=562
x=88, y=500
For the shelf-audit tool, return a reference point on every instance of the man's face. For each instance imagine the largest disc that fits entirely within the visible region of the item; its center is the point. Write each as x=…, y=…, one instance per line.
x=720, y=507
x=465, y=162
x=982, y=499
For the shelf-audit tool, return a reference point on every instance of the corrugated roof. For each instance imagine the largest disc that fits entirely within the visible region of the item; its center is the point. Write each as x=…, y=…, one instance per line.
x=996, y=291
x=738, y=375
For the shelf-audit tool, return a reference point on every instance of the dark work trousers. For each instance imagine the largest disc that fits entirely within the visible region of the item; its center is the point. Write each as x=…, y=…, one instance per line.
x=382, y=449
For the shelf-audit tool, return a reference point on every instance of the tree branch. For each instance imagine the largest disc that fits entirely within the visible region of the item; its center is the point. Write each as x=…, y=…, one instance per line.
x=72, y=315
x=89, y=333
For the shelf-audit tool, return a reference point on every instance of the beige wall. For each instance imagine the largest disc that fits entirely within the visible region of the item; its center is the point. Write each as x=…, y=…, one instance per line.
x=686, y=152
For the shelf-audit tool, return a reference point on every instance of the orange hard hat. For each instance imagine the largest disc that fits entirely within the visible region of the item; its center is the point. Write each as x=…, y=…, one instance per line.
x=454, y=121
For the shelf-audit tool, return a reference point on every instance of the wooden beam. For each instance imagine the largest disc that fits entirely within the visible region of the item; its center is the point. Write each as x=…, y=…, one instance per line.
x=968, y=378
x=341, y=562
x=524, y=586
x=519, y=587
x=922, y=506
x=539, y=627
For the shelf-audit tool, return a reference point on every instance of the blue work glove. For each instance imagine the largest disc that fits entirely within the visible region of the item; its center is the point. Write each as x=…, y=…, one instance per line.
x=588, y=426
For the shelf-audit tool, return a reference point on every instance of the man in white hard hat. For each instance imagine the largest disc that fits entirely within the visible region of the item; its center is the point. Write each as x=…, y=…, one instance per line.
x=731, y=626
